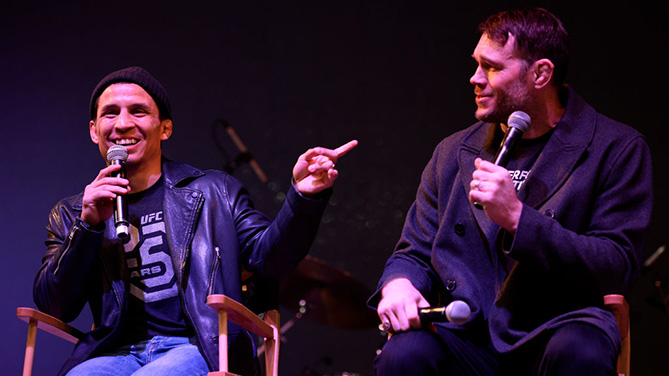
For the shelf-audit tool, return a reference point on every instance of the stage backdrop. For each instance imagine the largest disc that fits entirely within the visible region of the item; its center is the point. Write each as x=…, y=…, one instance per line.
x=287, y=76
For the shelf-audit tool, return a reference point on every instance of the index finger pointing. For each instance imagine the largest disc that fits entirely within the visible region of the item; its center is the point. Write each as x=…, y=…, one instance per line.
x=342, y=150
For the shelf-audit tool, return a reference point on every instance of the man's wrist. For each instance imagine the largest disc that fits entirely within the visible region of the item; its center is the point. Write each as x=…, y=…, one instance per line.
x=97, y=227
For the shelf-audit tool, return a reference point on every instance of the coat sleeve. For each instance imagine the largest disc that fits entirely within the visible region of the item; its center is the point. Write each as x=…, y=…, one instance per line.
x=274, y=248
x=606, y=250
x=61, y=287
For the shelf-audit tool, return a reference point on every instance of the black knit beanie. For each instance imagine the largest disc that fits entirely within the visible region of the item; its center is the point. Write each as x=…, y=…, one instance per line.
x=139, y=76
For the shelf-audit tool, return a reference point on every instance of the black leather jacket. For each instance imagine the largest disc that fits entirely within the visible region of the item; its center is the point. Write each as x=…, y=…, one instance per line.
x=212, y=229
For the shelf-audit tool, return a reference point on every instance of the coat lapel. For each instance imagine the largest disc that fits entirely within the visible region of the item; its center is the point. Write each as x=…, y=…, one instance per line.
x=182, y=208
x=570, y=138
x=472, y=148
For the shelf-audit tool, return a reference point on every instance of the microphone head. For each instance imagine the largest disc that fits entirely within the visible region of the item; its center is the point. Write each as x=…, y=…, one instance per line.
x=519, y=120
x=117, y=153
x=458, y=312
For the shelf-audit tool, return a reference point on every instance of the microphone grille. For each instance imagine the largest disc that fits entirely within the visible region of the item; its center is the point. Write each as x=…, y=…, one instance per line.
x=519, y=120
x=117, y=153
x=458, y=312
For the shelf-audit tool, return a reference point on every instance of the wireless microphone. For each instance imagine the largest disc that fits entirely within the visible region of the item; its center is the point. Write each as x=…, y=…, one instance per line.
x=118, y=155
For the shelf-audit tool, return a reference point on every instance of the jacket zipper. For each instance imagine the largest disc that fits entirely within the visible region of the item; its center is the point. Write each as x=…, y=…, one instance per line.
x=70, y=236
x=212, y=275
x=183, y=253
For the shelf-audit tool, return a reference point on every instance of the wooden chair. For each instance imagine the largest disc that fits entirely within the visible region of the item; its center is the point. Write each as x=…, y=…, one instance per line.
x=618, y=305
x=40, y=320
x=268, y=329
x=227, y=309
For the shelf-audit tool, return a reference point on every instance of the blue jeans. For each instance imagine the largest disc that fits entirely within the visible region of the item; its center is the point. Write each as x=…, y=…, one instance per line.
x=165, y=356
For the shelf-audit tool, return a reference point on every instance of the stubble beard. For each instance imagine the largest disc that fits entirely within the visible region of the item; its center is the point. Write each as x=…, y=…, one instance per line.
x=505, y=104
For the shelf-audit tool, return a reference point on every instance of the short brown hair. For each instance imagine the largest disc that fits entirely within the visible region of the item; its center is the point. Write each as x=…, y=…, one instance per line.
x=539, y=34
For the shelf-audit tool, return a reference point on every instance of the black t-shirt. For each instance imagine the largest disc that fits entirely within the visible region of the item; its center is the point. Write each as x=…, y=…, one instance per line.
x=154, y=306
x=523, y=158
x=520, y=165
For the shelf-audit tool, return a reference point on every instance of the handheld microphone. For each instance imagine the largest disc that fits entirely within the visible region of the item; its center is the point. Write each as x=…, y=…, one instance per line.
x=456, y=312
x=117, y=155
x=518, y=123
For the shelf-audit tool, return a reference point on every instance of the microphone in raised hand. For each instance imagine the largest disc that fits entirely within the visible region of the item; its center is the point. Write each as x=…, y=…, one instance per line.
x=118, y=155
x=518, y=123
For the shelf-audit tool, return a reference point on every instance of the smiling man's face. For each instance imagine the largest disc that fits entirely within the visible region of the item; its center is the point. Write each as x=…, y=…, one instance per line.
x=501, y=80
x=128, y=116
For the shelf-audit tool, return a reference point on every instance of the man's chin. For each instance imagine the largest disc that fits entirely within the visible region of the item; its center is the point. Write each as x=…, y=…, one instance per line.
x=483, y=115
x=489, y=116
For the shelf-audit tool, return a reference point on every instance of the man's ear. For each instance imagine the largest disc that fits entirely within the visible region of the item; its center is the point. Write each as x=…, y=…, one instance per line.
x=93, y=131
x=542, y=71
x=166, y=126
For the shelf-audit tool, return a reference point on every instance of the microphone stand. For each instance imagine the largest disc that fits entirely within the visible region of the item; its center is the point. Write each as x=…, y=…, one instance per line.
x=244, y=155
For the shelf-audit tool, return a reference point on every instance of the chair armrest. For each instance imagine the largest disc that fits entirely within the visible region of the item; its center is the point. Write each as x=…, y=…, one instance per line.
x=49, y=324
x=618, y=305
x=240, y=315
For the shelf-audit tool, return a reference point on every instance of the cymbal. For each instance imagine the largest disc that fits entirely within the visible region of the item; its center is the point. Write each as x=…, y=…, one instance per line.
x=329, y=295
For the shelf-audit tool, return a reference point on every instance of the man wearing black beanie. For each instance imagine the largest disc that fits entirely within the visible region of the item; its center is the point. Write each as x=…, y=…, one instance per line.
x=190, y=232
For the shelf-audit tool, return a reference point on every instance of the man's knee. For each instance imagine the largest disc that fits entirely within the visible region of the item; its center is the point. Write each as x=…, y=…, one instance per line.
x=413, y=352
x=105, y=366
x=579, y=349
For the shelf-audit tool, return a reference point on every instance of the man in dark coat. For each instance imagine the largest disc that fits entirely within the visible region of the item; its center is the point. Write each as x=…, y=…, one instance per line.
x=531, y=248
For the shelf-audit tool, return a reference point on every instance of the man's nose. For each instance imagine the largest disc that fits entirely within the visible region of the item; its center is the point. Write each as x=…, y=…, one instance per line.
x=478, y=78
x=124, y=121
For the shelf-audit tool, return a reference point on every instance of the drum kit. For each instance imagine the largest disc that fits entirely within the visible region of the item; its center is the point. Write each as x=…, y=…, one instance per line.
x=328, y=295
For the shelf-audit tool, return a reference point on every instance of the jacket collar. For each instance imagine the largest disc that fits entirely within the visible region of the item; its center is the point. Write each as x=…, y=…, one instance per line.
x=175, y=175
x=571, y=136
x=178, y=174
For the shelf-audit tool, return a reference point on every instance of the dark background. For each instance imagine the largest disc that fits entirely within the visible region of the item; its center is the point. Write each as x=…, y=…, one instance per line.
x=288, y=76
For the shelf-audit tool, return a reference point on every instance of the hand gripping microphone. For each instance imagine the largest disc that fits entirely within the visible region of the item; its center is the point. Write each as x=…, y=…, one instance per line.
x=117, y=155
x=518, y=123
x=456, y=312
